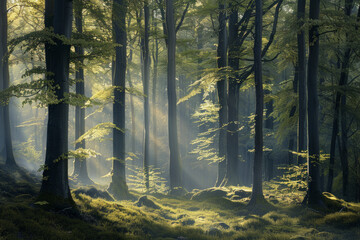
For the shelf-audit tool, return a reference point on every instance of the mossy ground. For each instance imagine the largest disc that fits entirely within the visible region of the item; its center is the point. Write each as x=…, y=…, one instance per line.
x=177, y=218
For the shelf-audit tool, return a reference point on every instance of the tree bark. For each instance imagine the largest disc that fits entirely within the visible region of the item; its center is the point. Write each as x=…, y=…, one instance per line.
x=175, y=164
x=118, y=187
x=80, y=166
x=344, y=128
x=132, y=107
x=5, y=82
x=257, y=192
x=154, y=108
x=146, y=78
x=313, y=197
x=301, y=62
x=55, y=187
x=222, y=92
x=232, y=162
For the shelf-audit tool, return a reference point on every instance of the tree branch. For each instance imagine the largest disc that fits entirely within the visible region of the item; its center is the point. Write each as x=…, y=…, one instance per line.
x=182, y=18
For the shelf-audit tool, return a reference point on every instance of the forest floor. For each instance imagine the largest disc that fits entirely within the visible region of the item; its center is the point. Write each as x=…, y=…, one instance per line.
x=215, y=213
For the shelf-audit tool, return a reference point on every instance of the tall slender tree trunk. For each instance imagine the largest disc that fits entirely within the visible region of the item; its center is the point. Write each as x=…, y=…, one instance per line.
x=344, y=128
x=269, y=124
x=257, y=192
x=146, y=78
x=175, y=162
x=232, y=176
x=80, y=166
x=55, y=187
x=5, y=82
x=118, y=187
x=132, y=107
x=222, y=92
x=301, y=61
x=313, y=196
x=155, y=76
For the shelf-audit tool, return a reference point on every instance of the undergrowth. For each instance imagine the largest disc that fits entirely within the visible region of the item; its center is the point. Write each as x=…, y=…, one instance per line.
x=221, y=217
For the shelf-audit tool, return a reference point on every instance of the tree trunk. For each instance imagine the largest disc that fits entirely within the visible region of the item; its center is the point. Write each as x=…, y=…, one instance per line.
x=344, y=131
x=257, y=192
x=80, y=166
x=232, y=176
x=222, y=92
x=132, y=107
x=313, y=197
x=175, y=164
x=154, y=108
x=118, y=187
x=269, y=124
x=146, y=78
x=55, y=187
x=5, y=82
x=301, y=61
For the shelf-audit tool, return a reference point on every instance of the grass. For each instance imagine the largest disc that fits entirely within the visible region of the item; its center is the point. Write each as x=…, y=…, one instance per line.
x=177, y=218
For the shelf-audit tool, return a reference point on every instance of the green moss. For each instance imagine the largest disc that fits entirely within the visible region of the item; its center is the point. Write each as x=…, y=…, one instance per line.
x=341, y=220
x=217, y=218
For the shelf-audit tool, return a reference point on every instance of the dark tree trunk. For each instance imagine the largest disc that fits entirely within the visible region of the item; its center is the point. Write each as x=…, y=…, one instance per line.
x=154, y=108
x=269, y=124
x=5, y=82
x=80, y=167
x=175, y=163
x=55, y=187
x=301, y=61
x=257, y=192
x=232, y=162
x=291, y=114
x=222, y=92
x=118, y=187
x=313, y=196
x=146, y=80
x=132, y=107
x=344, y=131
x=335, y=132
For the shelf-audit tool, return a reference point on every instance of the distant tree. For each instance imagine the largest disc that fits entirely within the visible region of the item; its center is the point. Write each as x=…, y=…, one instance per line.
x=118, y=186
x=55, y=187
x=155, y=58
x=175, y=162
x=232, y=176
x=4, y=84
x=146, y=82
x=257, y=192
x=170, y=31
x=301, y=68
x=313, y=196
x=222, y=91
x=80, y=166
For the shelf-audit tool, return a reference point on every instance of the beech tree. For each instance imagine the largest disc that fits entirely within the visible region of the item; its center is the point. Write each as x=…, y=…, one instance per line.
x=118, y=186
x=4, y=84
x=80, y=166
x=55, y=185
x=313, y=196
x=257, y=192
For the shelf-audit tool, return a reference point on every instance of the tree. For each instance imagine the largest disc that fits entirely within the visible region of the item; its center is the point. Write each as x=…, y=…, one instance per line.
x=146, y=81
x=222, y=91
x=55, y=187
x=301, y=68
x=257, y=192
x=232, y=176
x=175, y=162
x=4, y=84
x=313, y=197
x=80, y=167
x=155, y=57
x=118, y=186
